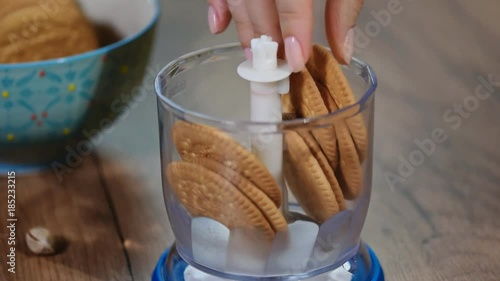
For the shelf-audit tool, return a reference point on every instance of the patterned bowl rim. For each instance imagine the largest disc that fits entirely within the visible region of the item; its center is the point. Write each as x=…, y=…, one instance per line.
x=96, y=52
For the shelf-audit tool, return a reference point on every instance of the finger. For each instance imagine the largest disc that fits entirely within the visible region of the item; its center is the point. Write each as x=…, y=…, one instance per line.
x=218, y=15
x=341, y=17
x=265, y=21
x=296, y=20
x=264, y=18
x=243, y=25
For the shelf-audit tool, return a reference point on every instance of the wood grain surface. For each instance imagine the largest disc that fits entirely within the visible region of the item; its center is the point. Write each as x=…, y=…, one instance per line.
x=436, y=219
x=78, y=210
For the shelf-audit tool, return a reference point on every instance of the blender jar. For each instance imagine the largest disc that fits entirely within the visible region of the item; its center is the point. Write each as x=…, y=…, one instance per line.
x=236, y=216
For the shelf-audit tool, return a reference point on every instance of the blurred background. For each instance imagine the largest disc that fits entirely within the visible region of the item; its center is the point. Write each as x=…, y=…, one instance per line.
x=431, y=218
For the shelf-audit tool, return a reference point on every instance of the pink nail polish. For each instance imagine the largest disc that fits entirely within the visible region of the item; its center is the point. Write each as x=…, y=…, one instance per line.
x=349, y=46
x=248, y=53
x=212, y=20
x=293, y=53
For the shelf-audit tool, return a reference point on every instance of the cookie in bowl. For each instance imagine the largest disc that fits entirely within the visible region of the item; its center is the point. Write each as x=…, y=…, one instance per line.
x=59, y=94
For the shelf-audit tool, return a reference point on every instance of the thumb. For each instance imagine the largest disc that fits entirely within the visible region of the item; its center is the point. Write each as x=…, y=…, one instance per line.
x=341, y=17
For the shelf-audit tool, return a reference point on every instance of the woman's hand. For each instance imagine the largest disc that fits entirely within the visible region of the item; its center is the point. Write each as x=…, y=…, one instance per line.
x=288, y=21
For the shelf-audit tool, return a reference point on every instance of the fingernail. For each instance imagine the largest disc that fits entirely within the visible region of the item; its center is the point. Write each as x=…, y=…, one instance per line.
x=212, y=20
x=293, y=53
x=349, y=46
x=248, y=53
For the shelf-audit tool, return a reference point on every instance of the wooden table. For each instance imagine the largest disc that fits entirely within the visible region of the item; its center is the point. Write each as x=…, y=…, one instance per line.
x=439, y=221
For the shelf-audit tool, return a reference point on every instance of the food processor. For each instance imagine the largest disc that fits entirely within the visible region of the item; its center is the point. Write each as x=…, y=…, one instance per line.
x=251, y=190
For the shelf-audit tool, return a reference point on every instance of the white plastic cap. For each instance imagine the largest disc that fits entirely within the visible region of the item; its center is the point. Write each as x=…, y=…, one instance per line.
x=265, y=66
x=265, y=53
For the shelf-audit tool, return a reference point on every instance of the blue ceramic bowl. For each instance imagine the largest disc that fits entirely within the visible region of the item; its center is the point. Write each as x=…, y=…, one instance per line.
x=47, y=105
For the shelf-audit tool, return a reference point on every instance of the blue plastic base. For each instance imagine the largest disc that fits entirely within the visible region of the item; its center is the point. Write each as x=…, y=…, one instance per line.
x=376, y=273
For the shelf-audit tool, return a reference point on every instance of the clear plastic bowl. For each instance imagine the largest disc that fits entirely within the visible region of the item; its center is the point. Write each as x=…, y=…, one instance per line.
x=204, y=88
